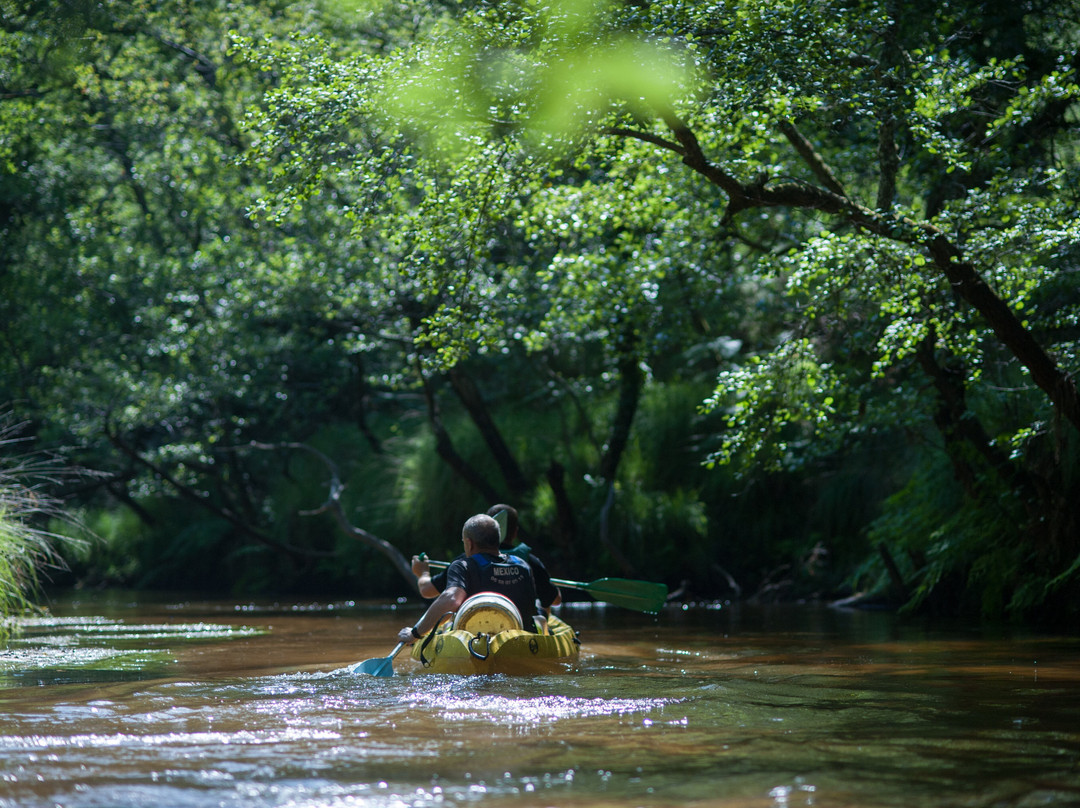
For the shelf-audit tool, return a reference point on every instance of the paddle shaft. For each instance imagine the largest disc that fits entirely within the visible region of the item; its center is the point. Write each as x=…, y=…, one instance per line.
x=572, y=584
x=441, y=565
x=643, y=596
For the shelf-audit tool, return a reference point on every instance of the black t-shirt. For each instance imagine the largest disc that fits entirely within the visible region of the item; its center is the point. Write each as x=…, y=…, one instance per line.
x=546, y=591
x=490, y=572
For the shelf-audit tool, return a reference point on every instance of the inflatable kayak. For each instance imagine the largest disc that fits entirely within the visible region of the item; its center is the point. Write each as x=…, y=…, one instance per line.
x=486, y=636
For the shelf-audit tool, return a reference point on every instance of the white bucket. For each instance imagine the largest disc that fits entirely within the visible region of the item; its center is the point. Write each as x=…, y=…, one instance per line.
x=487, y=613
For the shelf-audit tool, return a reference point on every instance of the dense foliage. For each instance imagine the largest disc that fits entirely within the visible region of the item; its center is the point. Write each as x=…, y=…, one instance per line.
x=751, y=297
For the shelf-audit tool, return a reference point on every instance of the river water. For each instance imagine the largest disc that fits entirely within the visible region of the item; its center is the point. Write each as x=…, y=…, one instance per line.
x=114, y=701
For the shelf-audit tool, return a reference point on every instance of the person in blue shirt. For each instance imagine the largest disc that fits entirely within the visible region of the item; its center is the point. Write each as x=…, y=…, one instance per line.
x=549, y=595
x=482, y=568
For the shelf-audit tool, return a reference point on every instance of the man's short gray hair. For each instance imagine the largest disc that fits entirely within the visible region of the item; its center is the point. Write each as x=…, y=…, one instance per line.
x=483, y=530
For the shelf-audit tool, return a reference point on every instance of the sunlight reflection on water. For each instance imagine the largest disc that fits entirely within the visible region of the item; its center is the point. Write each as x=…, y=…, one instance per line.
x=683, y=710
x=39, y=742
x=442, y=700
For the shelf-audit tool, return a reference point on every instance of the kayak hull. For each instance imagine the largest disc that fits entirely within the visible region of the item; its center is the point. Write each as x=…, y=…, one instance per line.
x=511, y=651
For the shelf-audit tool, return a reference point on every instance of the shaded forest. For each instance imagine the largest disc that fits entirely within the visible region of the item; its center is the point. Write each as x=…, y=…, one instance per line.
x=761, y=300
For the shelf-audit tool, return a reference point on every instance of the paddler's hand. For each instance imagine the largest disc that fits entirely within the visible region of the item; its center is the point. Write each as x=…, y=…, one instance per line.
x=406, y=635
x=420, y=565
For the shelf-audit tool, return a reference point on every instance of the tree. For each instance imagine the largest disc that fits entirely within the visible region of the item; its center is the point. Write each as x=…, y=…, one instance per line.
x=908, y=183
x=145, y=323
x=453, y=226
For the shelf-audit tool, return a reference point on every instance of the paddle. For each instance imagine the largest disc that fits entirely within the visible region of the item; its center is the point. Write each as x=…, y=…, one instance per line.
x=379, y=666
x=641, y=596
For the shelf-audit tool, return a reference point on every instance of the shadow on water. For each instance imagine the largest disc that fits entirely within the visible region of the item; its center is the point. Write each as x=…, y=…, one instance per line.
x=181, y=703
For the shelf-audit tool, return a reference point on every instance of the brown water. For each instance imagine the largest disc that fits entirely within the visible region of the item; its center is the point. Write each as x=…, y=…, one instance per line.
x=188, y=704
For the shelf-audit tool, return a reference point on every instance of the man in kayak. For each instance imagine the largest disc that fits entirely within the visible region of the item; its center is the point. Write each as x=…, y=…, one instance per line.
x=482, y=569
x=430, y=585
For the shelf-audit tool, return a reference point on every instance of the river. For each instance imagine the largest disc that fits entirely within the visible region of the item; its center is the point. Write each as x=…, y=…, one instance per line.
x=117, y=701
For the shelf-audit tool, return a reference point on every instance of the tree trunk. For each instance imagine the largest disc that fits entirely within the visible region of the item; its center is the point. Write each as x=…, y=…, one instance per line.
x=1045, y=372
x=363, y=394
x=631, y=383
x=475, y=405
x=564, y=532
x=444, y=447
x=967, y=444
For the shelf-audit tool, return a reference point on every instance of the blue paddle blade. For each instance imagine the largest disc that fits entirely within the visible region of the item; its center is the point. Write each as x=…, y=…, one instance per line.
x=383, y=666
x=379, y=666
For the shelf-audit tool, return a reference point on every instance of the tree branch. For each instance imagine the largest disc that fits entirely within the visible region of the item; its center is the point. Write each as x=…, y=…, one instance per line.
x=947, y=258
x=888, y=163
x=646, y=137
x=812, y=158
x=695, y=158
x=605, y=532
x=11, y=95
x=888, y=155
x=564, y=532
x=191, y=494
x=333, y=506
x=631, y=382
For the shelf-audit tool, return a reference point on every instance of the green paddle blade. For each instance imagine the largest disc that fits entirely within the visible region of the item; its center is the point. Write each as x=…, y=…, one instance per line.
x=642, y=596
x=501, y=518
x=379, y=666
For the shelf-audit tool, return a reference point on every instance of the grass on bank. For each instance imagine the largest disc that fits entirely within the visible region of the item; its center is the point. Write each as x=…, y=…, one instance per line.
x=25, y=549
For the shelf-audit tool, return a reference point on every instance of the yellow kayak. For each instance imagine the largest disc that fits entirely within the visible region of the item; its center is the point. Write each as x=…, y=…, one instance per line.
x=486, y=636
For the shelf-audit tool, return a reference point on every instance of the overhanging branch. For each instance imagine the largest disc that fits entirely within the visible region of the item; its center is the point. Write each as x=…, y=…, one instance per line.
x=333, y=506
x=946, y=256
x=194, y=496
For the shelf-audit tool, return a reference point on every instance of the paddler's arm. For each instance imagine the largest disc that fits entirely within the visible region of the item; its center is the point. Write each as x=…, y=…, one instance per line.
x=422, y=570
x=449, y=601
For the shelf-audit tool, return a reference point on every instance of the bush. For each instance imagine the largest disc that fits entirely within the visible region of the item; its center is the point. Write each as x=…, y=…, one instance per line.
x=25, y=546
